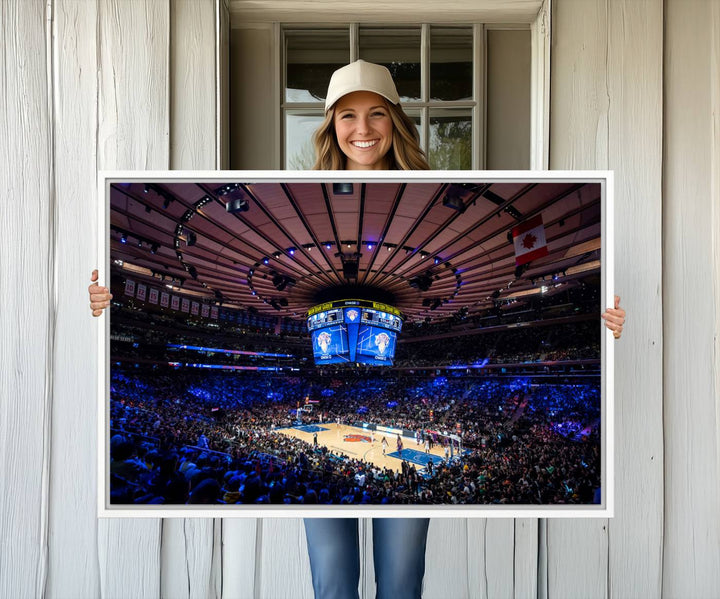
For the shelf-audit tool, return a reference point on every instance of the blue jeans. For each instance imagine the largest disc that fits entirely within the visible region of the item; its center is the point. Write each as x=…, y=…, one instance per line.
x=398, y=551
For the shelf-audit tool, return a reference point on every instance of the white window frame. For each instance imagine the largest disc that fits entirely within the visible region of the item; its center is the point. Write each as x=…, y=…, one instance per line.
x=537, y=17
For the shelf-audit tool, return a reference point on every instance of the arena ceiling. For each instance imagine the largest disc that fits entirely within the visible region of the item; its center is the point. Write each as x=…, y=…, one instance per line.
x=297, y=244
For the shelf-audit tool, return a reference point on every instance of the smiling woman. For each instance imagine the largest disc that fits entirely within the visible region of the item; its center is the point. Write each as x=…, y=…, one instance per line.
x=364, y=130
x=365, y=127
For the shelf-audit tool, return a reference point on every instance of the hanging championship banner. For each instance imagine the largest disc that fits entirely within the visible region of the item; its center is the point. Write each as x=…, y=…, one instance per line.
x=195, y=310
x=130, y=287
x=205, y=311
x=153, y=297
x=164, y=299
x=141, y=292
x=185, y=305
x=175, y=303
x=214, y=312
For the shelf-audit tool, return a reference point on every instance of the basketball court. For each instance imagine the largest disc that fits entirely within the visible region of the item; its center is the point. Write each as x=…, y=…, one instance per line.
x=357, y=443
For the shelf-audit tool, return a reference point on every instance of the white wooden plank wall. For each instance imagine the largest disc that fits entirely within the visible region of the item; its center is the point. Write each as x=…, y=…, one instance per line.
x=606, y=112
x=190, y=567
x=116, y=84
x=577, y=551
x=635, y=535
x=26, y=284
x=73, y=550
x=692, y=306
x=133, y=131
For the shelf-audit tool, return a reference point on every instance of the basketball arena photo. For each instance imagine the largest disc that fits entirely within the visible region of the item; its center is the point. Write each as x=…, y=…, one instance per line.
x=383, y=342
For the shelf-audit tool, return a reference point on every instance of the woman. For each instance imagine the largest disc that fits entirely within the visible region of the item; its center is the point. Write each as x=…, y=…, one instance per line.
x=365, y=129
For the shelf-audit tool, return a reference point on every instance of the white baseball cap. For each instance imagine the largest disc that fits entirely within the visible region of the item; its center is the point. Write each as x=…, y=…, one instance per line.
x=361, y=76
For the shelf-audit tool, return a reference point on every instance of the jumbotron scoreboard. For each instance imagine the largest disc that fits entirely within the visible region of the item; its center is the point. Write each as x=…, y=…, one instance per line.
x=354, y=331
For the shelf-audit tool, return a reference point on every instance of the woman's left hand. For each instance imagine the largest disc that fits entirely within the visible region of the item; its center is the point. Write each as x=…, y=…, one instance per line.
x=615, y=318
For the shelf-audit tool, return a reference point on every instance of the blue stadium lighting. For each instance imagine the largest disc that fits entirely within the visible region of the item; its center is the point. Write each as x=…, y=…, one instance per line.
x=266, y=260
x=227, y=367
x=328, y=246
x=229, y=351
x=291, y=251
x=370, y=246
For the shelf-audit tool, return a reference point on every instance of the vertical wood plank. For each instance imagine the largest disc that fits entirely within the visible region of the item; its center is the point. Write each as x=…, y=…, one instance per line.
x=607, y=113
x=73, y=559
x=193, y=85
x=222, y=16
x=635, y=90
x=27, y=314
x=491, y=547
x=692, y=315
x=448, y=559
x=526, y=558
x=577, y=551
x=189, y=566
x=239, y=558
x=282, y=567
x=133, y=131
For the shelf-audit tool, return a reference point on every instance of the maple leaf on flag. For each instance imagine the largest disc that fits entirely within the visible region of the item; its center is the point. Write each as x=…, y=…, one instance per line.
x=529, y=241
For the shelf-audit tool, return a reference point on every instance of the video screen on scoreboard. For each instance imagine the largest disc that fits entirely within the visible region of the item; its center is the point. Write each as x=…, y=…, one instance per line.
x=330, y=345
x=375, y=345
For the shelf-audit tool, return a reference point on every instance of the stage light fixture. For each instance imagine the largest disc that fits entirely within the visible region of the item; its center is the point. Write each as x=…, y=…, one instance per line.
x=342, y=189
x=453, y=199
x=237, y=205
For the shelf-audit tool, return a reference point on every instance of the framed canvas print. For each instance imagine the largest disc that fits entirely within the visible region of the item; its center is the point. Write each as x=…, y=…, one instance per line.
x=330, y=344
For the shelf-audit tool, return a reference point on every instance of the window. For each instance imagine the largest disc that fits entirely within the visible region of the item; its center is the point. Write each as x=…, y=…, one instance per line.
x=437, y=70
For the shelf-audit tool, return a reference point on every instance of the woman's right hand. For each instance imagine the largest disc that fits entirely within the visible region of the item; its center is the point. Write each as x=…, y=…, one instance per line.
x=99, y=296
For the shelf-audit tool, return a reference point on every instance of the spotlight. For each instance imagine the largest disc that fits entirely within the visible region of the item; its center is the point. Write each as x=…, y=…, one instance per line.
x=342, y=189
x=123, y=238
x=237, y=205
x=291, y=251
x=350, y=269
x=328, y=245
x=421, y=282
x=154, y=248
x=370, y=246
x=437, y=260
x=453, y=199
x=266, y=260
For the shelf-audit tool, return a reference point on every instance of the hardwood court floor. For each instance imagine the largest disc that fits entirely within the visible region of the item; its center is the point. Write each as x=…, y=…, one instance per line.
x=337, y=439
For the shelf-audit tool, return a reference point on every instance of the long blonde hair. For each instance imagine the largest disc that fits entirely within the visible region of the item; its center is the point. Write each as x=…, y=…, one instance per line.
x=405, y=154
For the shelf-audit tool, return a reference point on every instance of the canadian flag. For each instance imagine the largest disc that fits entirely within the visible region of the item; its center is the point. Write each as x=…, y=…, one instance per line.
x=529, y=241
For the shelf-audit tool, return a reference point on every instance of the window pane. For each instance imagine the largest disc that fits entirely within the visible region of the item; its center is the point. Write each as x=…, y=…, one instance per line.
x=311, y=58
x=414, y=115
x=399, y=51
x=450, y=139
x=299, y=150
x=451, y=55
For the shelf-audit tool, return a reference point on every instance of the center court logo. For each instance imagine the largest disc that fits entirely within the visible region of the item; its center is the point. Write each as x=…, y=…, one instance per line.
x=356, y=438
